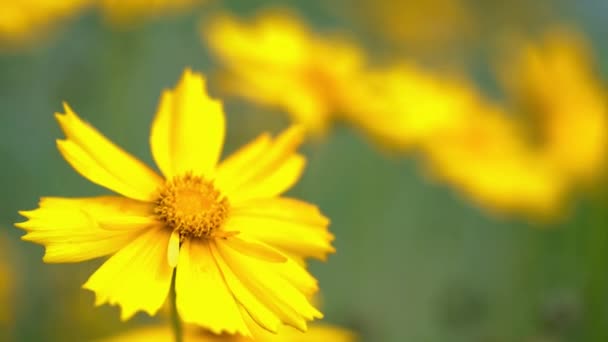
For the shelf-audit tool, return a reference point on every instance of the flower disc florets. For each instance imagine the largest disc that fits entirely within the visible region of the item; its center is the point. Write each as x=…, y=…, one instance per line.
x=192, y=206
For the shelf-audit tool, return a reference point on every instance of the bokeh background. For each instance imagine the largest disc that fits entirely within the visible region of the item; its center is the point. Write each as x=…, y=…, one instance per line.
x=418, y=258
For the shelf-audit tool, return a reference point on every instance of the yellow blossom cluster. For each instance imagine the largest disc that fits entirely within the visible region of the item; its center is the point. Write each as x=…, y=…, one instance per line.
x=469, y=141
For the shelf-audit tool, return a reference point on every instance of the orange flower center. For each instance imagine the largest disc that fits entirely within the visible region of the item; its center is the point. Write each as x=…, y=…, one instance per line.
x=192, y=206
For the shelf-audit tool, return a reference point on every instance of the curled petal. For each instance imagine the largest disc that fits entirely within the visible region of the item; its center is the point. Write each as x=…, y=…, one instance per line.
x=102, y=162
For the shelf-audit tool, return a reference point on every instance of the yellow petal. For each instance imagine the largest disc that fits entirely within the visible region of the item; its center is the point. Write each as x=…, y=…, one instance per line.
x=316, y=333
x=102, y=162
x=203, y=297
x=273, y=183
x=240, y=161
x=173, y=250
x=188, y=131
x=256, y=309
x=255, y=249
x=267, y=281
x=77, y=229
x=292, y=226
x=137, y=277
x=271, y=172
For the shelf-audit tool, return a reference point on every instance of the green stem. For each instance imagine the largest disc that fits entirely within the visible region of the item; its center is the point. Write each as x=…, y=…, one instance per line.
x=176, y=322
x=596, y=298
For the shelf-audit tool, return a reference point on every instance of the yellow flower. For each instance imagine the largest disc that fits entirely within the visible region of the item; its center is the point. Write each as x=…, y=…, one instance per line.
x=276, y=61
x=224, y=226
x=26, y=19
x=124, y=11
x=489, y=159
x=316, y=333
x=555, y=81
x=403, y=106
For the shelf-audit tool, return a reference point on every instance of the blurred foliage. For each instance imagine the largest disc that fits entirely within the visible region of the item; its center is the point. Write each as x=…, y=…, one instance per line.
x=416, y=261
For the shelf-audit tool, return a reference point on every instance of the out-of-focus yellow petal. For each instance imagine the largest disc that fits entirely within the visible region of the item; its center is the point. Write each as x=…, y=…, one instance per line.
x=137, y=277
x=124, y=12
x=316, y=333
x=293, y=226
x=490, y=160
x=310, y=76
x=403, y=107
x=78, y=229
x=275, y=170
x=203, y=298
x=145, y=334
x=556, y=82
x=188, y=131
x=265, y=281
x=25, y=21
x=102, y=162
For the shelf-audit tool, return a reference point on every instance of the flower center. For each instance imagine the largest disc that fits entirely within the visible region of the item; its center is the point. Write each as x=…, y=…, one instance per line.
x=191, y=206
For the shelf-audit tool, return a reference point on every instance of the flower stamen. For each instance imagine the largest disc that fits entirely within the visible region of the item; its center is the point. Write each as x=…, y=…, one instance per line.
x=191, y=206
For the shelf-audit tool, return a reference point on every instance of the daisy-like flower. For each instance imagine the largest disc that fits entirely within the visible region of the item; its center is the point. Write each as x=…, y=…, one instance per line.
x=234, y=241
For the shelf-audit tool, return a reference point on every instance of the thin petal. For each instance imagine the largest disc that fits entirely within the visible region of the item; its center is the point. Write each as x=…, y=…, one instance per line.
x=77, y=229
x=267, y=282
x=256, y=309
x=102, y=162
x=137, y=277
x=274, y=183
x=203, y=297
x=188, y=131
x=263, y=171
x=234, y=165
x=293, y=226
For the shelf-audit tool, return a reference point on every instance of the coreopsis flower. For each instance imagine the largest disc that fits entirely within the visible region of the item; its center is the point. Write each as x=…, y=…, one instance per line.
x=25, y=20
x=224, y=227
x=556, y=82
x=492, y=163
x=404, y=106
x=316, y=333
x=126, y=11
x=276, y=61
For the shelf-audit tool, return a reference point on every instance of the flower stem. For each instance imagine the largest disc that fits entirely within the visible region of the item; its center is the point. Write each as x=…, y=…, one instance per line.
x=176, y=322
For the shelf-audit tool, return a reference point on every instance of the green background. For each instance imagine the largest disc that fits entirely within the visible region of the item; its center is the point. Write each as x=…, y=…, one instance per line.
x=416, y=260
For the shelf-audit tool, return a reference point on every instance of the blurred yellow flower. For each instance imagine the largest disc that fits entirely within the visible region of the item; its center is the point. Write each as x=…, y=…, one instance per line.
x=407, y=24
x=276, y=61
x=555, y=82
x=316, y=333
x=225, y=226
x=505, y=166
x=24, y=20
x=489, y=159
x=403, y=106
x=125, y=11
